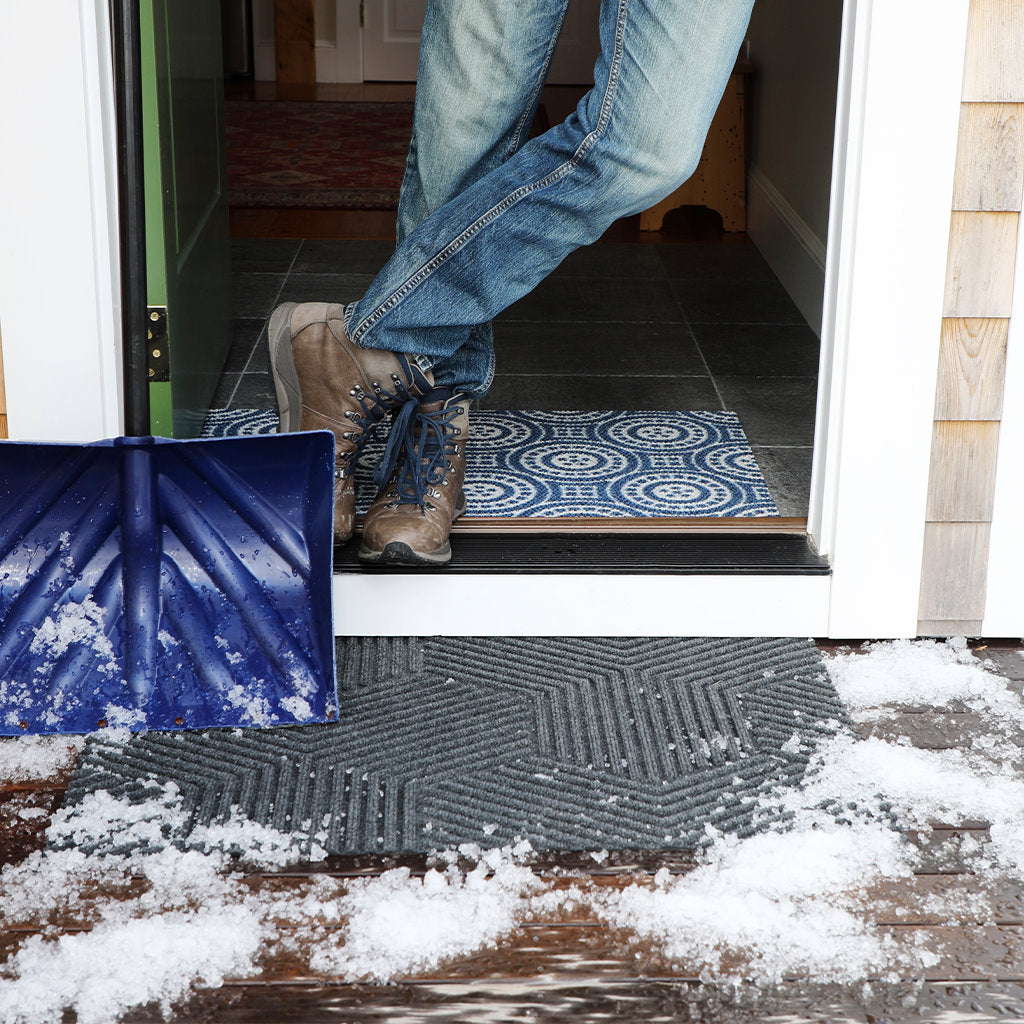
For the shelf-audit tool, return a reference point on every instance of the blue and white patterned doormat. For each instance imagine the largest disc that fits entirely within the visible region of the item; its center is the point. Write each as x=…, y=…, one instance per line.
x=530, y=464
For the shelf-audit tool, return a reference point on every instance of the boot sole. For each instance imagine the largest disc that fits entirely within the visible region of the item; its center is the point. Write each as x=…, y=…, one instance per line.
x=282, y=366
x=399, y=553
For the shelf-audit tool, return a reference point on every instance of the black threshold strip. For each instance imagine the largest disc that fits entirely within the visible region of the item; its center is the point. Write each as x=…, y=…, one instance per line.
x=619, y=554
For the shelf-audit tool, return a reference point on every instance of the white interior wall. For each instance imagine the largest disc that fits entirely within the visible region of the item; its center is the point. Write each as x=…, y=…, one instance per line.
x=794, y=45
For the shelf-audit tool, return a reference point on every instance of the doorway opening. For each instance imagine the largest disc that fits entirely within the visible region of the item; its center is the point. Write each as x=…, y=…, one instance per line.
x=690, y=316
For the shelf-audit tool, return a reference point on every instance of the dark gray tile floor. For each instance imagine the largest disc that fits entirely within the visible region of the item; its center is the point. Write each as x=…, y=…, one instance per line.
x=688, y=325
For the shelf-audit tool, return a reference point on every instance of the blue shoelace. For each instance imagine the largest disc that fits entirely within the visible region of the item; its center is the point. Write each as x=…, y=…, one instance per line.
x=374, y=407
x=419, y=446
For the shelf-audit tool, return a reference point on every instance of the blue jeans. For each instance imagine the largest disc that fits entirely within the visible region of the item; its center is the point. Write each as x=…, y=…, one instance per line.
x=484, y=214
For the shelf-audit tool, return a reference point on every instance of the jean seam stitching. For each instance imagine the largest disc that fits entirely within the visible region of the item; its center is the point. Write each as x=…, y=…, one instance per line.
x=545, y=67
x=458, y=243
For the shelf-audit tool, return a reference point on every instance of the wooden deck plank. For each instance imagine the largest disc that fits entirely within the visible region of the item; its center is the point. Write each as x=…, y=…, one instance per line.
x=537, y=1001
x=936, y=731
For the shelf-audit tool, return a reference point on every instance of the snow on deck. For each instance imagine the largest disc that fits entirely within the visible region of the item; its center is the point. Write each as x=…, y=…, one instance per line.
x=837, y=895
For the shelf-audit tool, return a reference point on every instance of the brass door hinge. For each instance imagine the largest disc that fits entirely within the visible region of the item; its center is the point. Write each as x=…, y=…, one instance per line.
x=158, y=362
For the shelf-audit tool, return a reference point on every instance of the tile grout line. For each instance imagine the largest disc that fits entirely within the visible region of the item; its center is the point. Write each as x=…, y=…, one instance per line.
x=703, y=358
x=265, y=319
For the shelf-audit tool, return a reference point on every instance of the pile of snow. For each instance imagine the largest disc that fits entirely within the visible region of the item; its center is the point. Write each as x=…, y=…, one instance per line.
x=455, y=912
x=799, y=899
x=196, y=922
x=37, y=758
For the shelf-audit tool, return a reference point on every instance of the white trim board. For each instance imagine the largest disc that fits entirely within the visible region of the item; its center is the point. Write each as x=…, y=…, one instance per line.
x=789, y=245
x=446, y=604
x=59, y=274
x=885, y=278
x=1004, y=599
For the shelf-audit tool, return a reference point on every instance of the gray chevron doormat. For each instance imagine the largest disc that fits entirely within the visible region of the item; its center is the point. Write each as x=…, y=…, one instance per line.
x=571, y=744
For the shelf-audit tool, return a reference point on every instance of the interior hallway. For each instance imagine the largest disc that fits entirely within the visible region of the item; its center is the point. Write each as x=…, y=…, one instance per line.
x=700, y=324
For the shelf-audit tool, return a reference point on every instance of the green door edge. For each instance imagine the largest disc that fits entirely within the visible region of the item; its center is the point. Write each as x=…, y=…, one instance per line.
x=199, y=325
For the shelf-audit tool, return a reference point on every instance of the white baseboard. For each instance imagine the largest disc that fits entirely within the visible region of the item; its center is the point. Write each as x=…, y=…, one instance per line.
x=789, y=244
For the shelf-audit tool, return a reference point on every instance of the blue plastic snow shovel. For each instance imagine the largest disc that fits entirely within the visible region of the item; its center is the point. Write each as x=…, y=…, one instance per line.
x=158, y=584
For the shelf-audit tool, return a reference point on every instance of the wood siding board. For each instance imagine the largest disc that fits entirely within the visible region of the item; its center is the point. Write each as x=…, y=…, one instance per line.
x=953, y=571
x=972, y=369
x=993, y=69
x=979, y=271
x=969, y=402
x=949, y=627
x=962, y=478
x=990, y=157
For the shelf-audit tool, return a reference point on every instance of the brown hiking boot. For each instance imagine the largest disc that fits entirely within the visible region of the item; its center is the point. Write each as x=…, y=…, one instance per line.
x=325, y=382
x=410, y=521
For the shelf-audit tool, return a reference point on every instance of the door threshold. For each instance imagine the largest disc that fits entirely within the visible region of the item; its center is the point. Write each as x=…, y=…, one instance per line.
x=606, y=525
x=617, y=553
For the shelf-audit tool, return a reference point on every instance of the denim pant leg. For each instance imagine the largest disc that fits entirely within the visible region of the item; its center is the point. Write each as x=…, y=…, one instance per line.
x=634, y=137
x=474, y=109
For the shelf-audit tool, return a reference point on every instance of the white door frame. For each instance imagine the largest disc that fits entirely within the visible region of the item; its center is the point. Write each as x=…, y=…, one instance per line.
x=60, y=293
x=885, y=275
x=894, y=165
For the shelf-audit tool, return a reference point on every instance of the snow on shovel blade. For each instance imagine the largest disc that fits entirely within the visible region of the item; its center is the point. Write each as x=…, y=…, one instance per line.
x=160, y=584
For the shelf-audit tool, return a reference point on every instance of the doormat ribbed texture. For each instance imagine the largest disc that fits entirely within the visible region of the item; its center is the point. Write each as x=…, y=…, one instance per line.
x=572, y=744
x=532, y=464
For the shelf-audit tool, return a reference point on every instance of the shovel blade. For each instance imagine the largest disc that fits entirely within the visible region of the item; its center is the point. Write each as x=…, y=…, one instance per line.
x=157, y=584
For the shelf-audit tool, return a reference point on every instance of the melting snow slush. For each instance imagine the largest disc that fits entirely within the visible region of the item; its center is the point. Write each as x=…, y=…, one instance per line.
x=795, y=900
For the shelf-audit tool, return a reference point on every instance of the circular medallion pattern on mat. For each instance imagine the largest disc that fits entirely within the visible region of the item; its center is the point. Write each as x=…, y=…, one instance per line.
x=563, y=417
x=731, y=460
x=571, y=461
x=689, y=494
x=240, y=422
x=512, y=494
x=507, y=430
x=658, y=431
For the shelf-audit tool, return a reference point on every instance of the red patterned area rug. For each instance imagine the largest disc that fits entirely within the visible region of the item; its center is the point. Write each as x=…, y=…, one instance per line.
x=316, y=154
